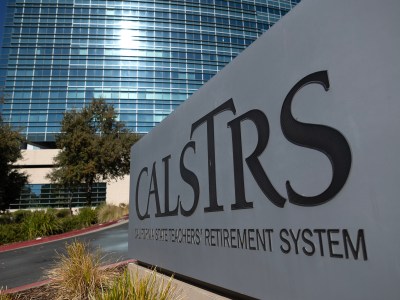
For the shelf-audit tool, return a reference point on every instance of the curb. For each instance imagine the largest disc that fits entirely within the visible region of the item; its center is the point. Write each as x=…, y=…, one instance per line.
x=18, y=245
x=47, y=281
x=25, y=287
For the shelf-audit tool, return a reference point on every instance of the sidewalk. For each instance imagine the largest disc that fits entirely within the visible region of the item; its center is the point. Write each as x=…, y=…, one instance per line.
x=47, y=239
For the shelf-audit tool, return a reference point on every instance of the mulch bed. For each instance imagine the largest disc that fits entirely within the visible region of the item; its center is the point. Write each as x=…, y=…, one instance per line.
x=37, y=293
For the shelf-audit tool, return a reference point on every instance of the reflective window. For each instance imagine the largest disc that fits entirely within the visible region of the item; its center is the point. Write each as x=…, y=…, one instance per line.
x=52, y=195
x=64, y=52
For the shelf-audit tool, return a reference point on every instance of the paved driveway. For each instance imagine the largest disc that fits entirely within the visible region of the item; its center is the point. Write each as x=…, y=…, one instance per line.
x=26, y=265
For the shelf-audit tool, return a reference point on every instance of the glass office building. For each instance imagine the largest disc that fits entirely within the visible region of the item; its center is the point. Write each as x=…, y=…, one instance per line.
x=144, y=57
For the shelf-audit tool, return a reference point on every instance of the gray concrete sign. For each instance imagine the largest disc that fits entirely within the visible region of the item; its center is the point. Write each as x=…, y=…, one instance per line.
x=279, y=178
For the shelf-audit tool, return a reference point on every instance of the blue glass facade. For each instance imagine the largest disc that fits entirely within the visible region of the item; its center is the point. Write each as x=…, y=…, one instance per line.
x=144, y=57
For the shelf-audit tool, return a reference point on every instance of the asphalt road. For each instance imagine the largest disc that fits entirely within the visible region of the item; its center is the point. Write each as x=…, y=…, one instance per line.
x=27, y=265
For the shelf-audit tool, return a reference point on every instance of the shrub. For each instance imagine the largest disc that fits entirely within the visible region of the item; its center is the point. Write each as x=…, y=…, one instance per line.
x=51, y=210
x=5, y=218
x=124, y=287
x=10, y=233
x=70, y=223
x=63, y=213
x=87, y=216
x=109, y=212
x=40, y=223
x=20, y=215
x=77, y=275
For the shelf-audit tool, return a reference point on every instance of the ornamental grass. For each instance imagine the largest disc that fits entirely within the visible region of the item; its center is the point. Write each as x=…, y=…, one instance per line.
x=148, y=287
x=78, y=274
x=109, y=212
x=4, y=296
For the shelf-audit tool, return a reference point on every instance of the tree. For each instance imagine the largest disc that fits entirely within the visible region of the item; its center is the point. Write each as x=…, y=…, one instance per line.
x=94, y=147
x=11, y=181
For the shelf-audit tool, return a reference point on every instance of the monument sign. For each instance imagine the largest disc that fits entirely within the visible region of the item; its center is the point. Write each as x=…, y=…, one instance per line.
x=280, y=177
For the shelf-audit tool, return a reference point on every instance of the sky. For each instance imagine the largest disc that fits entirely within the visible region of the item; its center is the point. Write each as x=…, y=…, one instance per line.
x=2, y=18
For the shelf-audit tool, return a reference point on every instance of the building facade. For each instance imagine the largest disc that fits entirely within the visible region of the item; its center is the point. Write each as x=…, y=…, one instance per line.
x=145, y=57
x=40, y=192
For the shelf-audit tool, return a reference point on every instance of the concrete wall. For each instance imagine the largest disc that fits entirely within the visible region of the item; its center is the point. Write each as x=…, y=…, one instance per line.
x=118, y=191
x=37, y=164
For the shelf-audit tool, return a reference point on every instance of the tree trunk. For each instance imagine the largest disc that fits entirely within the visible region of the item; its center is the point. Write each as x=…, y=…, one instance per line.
x=89, y=185
x=70, y=195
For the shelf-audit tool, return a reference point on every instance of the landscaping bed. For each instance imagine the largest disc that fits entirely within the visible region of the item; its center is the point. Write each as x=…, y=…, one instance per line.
x=23, y=225
x=79, y=275
x=47, y=291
